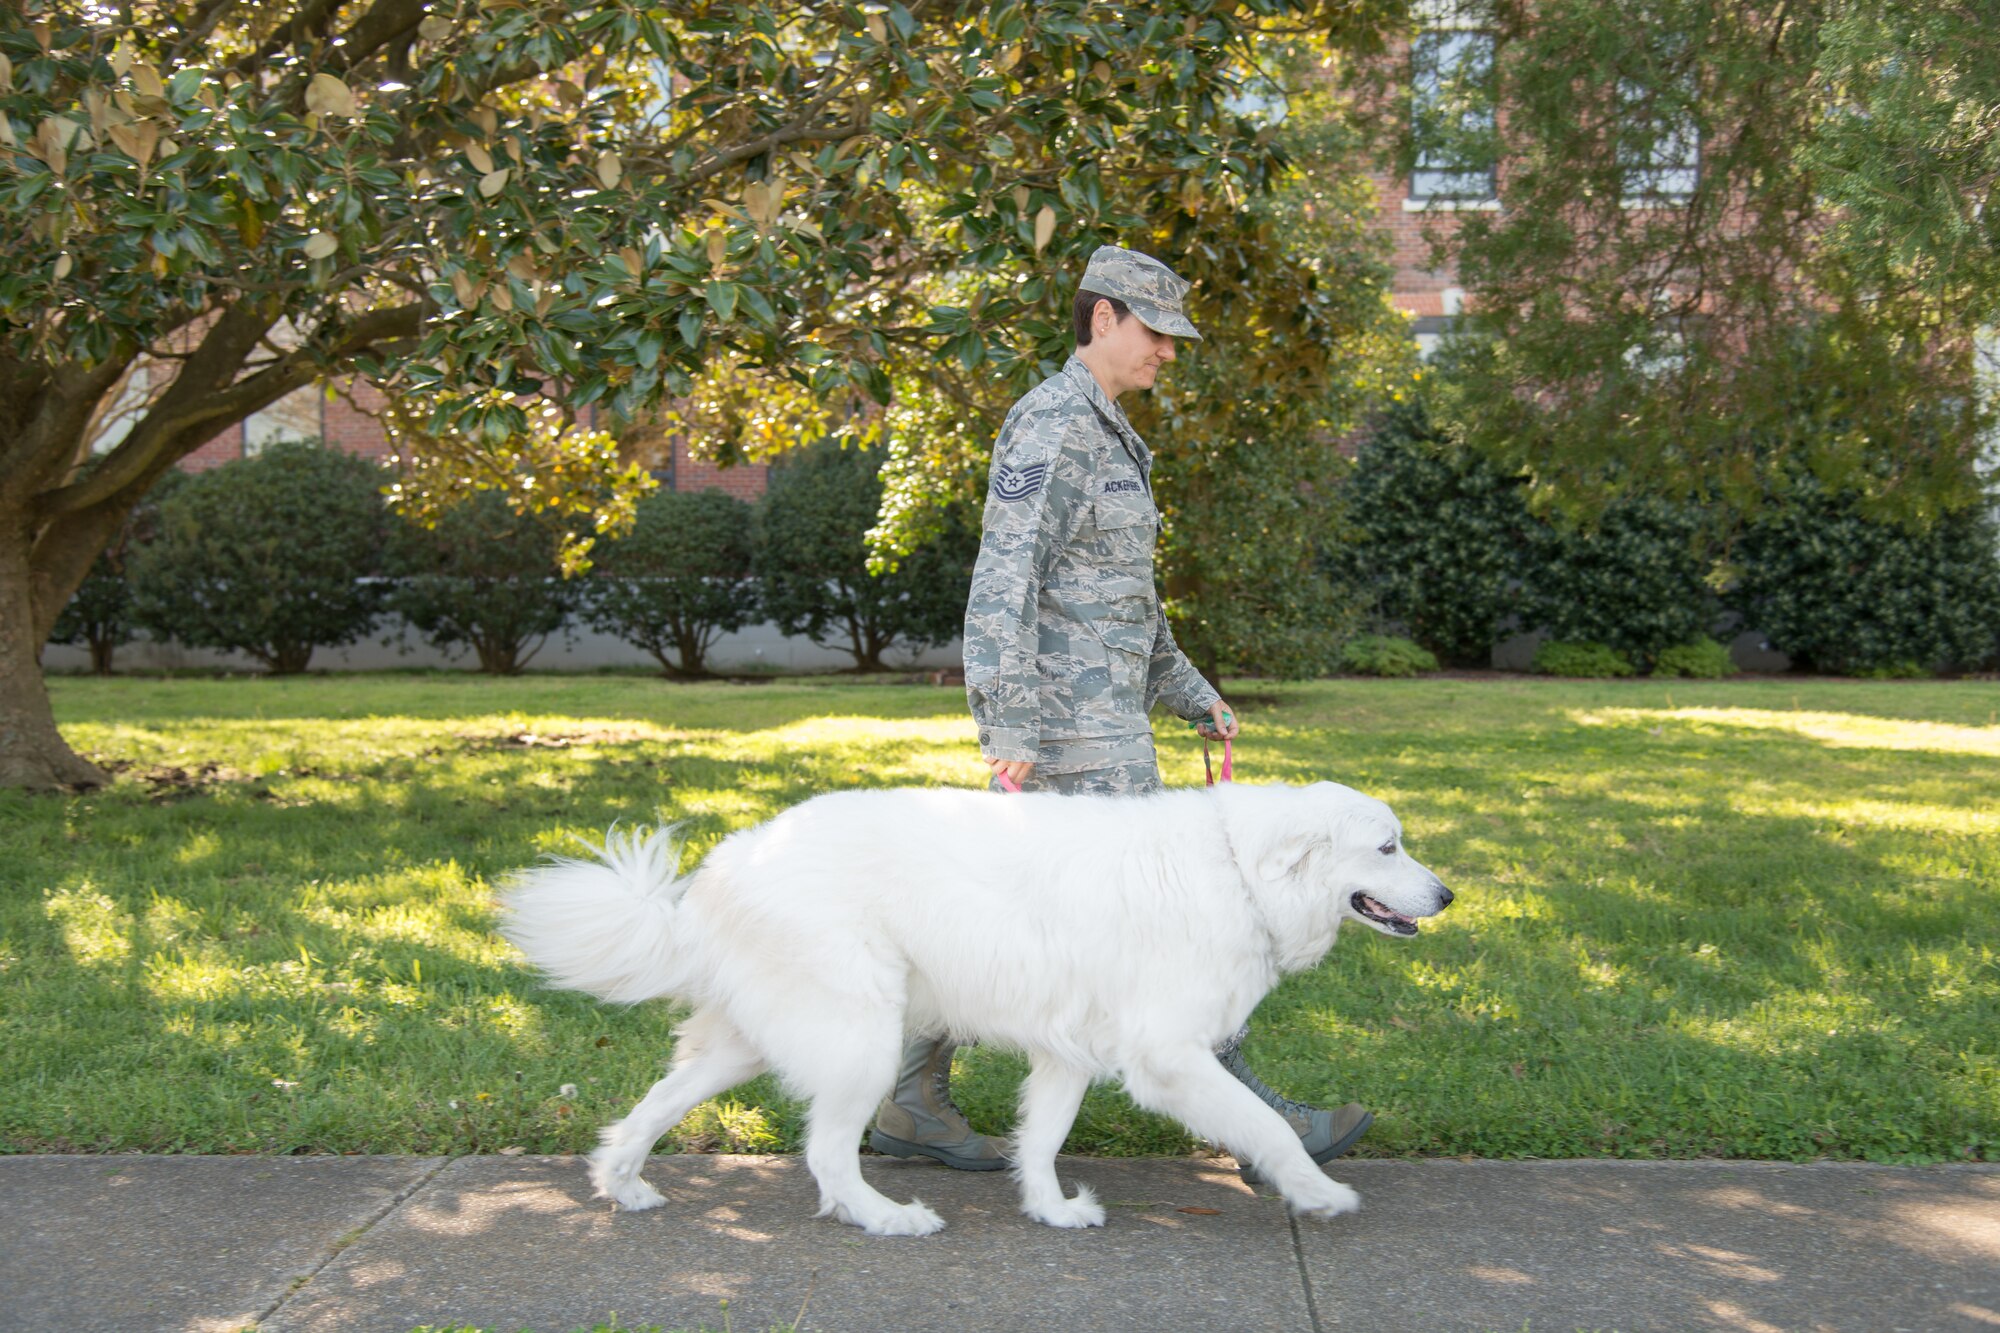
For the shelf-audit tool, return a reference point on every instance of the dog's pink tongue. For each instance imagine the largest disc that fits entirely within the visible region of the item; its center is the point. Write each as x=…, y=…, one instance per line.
x=1383, y=909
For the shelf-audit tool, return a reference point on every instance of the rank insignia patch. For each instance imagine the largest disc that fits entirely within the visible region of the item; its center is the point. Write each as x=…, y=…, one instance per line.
x=1018, y=483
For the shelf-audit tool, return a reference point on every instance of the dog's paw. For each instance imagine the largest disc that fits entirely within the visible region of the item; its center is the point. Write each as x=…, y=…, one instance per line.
x=1082, y=1211
x=627, y=1189
x=1329, y=1198
x=909, y=1219
x=633, y=1195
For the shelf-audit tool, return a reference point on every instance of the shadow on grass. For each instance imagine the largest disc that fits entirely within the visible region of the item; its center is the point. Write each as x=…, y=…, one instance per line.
x=1674, y=939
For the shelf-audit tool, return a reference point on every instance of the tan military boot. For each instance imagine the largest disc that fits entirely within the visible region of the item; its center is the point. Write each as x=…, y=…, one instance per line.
x=1325, y=1135
x=918, y=1119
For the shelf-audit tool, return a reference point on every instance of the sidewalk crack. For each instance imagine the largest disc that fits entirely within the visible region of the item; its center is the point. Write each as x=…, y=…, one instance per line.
x=1305, y=1279
x=351, y=1236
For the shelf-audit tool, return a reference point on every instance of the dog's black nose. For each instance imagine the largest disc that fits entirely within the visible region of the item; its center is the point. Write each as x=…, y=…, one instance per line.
x=1446, y=896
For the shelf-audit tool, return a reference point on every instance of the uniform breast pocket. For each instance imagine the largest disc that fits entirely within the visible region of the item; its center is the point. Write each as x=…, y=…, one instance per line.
x=1126, y=524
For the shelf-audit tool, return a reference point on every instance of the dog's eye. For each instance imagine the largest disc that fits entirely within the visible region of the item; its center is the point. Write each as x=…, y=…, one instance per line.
x=1389, y=848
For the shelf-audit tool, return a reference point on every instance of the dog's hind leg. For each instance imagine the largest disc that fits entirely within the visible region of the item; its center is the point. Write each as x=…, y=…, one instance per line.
x=1049, y=1100
x=710, y=1056
x=1194, y=1088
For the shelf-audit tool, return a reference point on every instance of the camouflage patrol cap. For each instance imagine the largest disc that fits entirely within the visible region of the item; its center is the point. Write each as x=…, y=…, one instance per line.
x=1142, y=282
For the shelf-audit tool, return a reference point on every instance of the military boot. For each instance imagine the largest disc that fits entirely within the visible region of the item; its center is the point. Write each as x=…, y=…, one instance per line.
x=918, y=1119
x=1324, y=1134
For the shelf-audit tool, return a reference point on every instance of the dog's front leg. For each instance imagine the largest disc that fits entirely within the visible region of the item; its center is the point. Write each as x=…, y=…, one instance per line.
x=1049, y=1100
x=1194, y=1088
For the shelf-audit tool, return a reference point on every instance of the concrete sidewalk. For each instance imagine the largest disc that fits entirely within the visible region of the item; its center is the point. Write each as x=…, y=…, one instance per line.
x=362, y=1244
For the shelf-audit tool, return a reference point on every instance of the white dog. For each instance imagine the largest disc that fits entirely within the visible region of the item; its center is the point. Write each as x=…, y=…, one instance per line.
x=1104, y=936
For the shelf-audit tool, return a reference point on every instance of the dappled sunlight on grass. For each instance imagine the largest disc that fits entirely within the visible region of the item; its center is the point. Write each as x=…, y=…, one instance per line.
x=1733, y=928
x=1838, y=730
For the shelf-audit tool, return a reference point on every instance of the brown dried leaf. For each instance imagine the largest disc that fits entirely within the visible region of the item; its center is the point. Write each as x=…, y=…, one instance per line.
x=1045, y=228
x=610, y=170
x=494, y=182
x=327, y=95
x=482, y=161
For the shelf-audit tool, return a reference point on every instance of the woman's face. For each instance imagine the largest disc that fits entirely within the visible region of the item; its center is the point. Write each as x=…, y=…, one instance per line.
x=1129, y=353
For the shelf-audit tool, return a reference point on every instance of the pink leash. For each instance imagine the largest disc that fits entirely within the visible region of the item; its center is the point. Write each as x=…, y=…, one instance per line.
x=1228, y=768
x=1228, y=763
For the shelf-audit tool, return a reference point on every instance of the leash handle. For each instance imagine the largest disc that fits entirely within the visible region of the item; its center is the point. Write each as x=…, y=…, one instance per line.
x=1006, y=783
x=1228, y=762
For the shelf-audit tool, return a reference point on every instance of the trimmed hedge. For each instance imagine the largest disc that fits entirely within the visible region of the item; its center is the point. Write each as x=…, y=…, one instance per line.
x=1555, y=658
x=486, y=578
x=1385, y=655
x=1703, y=659
x=683, y=575
x=812, y=559
x=1635, y=582
x=1434, y=536
x=1839, y=592
x=270, y=556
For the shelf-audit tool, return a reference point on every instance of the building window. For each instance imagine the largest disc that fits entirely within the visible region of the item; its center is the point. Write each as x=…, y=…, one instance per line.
x=299, y=415
x=126, y=407
x=1659, y=149
x=1451, y=115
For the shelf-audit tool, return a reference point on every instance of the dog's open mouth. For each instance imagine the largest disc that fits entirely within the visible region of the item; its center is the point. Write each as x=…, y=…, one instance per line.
x=1383, y=915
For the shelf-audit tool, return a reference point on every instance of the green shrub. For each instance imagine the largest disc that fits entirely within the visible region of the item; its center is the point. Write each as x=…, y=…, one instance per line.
x=270, y=556
x=486, y=578
x=1434, y=536
x=99, y=612
x=1636, y=581
x=1839, y=592
x=812, y=561
x=1704, y=659
x=683, y=575
x=1579, y=659
x=1385, y=655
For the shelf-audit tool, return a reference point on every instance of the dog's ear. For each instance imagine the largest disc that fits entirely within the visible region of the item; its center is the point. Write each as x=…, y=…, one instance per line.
x=1285, y=856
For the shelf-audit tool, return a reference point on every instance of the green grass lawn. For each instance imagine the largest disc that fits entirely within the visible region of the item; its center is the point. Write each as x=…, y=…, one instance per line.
x=1756, y=918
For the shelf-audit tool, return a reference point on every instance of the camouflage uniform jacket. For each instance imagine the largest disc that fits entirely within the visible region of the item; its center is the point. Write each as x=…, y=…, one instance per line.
x=1065, y=638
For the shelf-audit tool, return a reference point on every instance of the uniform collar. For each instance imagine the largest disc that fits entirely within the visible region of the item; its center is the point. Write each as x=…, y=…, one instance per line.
x=1113, y=415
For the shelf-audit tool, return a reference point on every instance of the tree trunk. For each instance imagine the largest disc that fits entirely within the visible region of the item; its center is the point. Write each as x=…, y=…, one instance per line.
x=33, y=753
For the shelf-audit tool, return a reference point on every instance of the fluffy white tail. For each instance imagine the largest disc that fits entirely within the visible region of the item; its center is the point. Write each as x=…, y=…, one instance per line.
x=603, y=925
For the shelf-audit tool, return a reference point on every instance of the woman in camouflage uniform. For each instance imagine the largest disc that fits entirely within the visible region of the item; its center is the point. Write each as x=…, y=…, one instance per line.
x=1067, y=647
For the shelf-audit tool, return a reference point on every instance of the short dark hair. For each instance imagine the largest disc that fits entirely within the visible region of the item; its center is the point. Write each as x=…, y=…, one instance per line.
x=1086, y=303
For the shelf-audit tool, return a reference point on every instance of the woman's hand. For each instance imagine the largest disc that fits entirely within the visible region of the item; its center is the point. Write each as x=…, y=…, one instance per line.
x=1014, y=770
x=1219, y=725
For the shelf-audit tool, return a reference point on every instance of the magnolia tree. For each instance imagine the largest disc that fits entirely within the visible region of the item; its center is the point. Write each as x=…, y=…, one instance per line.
x=206, y=206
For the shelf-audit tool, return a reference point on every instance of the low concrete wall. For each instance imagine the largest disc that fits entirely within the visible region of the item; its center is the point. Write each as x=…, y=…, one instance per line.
x=758, y=648
x=1749, y=649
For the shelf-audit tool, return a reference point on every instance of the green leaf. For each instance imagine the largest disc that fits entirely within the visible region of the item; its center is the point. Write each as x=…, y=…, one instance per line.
x=721, y=297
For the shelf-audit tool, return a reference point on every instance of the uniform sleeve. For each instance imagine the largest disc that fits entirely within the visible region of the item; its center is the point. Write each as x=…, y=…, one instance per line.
x=1032, y=507
x=1172, y=679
